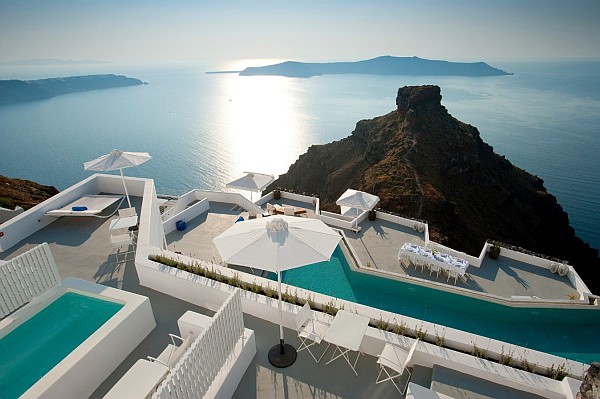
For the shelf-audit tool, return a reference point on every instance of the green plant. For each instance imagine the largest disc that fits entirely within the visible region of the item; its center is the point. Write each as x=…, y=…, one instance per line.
x=256, y=288
x=330, y=308
x=381, y=324
x=235, y=280
x=400, y=329
x=271, y=293
x=525, y=365
x=311, y=301
x=439, y=339
x=420, y=333
x=506, y=358
x=479, y=352
x=557, y=373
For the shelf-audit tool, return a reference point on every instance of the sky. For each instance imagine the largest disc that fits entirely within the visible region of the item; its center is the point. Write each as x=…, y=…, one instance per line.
x=187, y=30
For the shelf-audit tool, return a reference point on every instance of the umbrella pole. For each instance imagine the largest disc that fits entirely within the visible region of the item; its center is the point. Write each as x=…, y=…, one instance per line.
x=282, y=354
x=125, y=186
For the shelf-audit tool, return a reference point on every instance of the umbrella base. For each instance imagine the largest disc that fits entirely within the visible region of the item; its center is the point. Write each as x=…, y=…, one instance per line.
x=282, y=355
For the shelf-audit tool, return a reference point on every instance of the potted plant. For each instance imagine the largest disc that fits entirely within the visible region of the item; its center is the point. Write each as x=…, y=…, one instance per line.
x=372, y=215
x=494, y=251
x=277, y=193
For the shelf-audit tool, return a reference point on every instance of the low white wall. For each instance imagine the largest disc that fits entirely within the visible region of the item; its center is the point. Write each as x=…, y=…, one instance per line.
x=34, y=219
x=335, y=219
x=6, y=214
x=187, y=214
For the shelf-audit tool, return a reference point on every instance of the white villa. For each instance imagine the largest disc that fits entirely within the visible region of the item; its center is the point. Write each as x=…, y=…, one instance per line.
x=177, y=334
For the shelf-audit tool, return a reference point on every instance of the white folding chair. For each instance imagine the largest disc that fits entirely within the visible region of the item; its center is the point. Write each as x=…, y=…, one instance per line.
x=121, y=241
x=310, y=330
x=394, y=361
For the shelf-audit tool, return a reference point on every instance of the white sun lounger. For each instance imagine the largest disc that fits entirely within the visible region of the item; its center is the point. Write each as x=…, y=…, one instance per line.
x=88, y=205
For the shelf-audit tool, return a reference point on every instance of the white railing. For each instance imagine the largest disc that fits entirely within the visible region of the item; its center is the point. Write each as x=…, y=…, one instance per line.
x=194, y=374
x=25, y=277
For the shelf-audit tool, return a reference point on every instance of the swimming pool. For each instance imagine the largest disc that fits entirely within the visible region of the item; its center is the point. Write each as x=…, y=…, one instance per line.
x=569, y=333
x=37, y=345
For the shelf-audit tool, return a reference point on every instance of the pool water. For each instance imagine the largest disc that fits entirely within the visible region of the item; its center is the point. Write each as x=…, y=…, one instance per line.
x=32, y=349
x=569, y=333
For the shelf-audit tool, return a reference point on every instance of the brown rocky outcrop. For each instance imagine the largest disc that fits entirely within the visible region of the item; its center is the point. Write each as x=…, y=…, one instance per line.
x=423, y=163
x=23, y=193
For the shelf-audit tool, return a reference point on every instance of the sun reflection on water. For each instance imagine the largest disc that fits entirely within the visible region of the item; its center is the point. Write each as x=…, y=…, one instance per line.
x=264, y=130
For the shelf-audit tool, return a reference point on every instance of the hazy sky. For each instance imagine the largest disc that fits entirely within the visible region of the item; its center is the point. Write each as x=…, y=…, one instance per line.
x=161, y=31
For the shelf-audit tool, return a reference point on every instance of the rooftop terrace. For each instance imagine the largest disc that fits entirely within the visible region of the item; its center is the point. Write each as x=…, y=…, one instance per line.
x=82, y=249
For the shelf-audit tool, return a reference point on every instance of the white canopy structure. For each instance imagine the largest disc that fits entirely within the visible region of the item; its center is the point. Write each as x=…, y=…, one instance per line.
x=357, y=200
x=275, y=244
x=253, y=182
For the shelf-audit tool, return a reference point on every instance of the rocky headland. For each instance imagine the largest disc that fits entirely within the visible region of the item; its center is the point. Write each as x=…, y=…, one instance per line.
x=425, y=164
x=16, y=91
x=384, y=65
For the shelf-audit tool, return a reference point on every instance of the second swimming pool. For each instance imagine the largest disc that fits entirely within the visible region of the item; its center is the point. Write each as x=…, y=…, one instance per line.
x=40, y=343
x=569, y=333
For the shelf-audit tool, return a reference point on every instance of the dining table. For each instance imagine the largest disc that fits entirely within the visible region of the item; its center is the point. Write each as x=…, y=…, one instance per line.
x=446, y=261
x=346, y=332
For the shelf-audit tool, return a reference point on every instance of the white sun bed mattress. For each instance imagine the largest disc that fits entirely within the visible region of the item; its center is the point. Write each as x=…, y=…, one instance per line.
x=87, y=205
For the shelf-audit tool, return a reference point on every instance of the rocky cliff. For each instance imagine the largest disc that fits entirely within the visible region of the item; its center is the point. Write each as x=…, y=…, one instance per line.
x=23, y=193
x=423, y=163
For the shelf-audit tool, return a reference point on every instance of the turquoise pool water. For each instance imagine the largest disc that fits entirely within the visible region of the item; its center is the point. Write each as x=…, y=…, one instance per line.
x=32, y=349
x=570, y=333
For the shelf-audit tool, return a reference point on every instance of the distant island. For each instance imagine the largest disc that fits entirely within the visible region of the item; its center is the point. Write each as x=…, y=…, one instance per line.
x=385, y=65
x=16, y=91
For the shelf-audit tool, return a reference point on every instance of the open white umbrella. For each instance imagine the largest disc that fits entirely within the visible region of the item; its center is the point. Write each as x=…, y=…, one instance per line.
x=253, y=182
x=357, y=200
x=276, y=244
x=117, y=159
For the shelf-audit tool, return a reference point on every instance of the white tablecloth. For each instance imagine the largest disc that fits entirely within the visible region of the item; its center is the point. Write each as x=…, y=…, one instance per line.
x=446, y=261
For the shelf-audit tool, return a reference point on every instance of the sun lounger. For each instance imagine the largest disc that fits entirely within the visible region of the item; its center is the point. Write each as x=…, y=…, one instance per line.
x=88, y=205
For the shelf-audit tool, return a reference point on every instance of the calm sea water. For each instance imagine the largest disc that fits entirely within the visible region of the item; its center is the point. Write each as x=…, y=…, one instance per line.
x=204, y=130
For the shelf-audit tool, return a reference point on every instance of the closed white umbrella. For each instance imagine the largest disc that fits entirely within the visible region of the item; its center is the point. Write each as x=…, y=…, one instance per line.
x=251, y=181
x=276, y=244
x=117, y=159
x=358, y=200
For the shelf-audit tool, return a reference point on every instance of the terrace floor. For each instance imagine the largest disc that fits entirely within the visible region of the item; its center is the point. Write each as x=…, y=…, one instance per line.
x=377, y=244
x=81, y=249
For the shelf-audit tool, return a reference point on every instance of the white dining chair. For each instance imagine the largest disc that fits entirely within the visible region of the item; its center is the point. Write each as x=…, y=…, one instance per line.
x=394, y=361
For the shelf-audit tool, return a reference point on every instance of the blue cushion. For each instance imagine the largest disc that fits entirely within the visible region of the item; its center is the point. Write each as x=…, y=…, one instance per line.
x=79, y=208
x=240, y=219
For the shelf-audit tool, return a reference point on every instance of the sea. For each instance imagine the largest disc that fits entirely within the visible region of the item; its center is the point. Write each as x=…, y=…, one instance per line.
x=204, y=130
